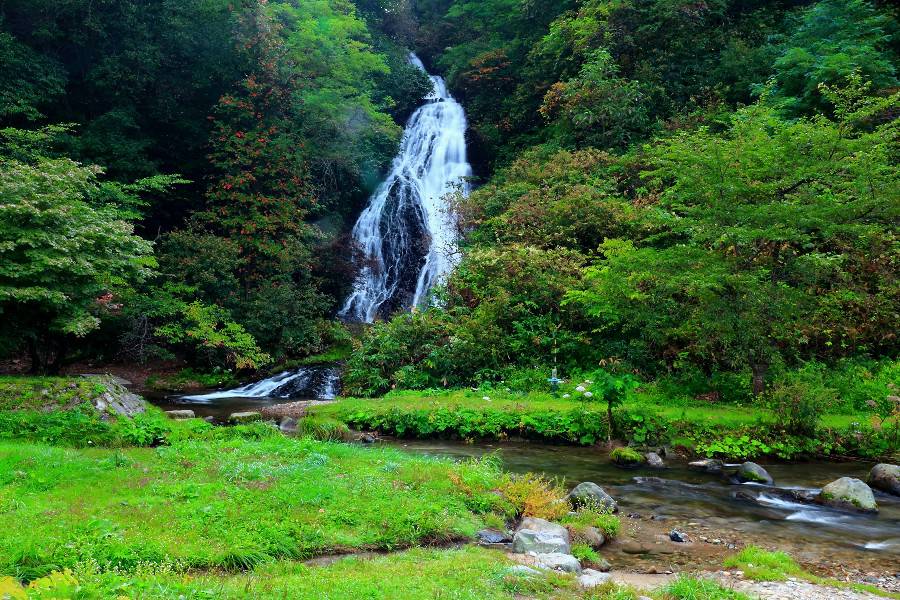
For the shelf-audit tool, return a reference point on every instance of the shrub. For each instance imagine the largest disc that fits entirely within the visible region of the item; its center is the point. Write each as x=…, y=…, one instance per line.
x=535, y=496
x=799, y=404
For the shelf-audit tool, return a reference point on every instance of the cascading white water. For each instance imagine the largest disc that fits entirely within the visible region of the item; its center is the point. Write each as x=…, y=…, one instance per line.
x=406, y=231
x=320, y=383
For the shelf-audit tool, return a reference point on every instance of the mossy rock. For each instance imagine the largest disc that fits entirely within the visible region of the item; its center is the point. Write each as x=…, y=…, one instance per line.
x=627, y=457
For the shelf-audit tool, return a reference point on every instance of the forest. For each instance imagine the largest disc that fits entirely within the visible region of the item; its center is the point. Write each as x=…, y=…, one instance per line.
x=680, y=231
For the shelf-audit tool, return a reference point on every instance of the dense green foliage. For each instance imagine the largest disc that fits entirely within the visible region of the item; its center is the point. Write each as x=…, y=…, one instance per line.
x=278, y=116
x=663, y=210
x=702, y=195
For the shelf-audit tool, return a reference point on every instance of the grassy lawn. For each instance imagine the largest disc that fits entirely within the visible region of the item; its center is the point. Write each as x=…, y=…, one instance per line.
x=230, y=499
x=467, y=573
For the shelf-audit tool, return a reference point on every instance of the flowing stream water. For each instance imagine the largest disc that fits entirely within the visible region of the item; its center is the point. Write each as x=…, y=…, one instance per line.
x=406, y=231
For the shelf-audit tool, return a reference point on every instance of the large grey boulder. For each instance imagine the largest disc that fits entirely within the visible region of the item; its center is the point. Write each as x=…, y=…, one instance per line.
x=654, y=461
x=750, y=472
x=886, y=478
x=590, y=578
x=558, y=561
x=540, y=536
x=116, y=400
x=849, y=494
x=590, y=494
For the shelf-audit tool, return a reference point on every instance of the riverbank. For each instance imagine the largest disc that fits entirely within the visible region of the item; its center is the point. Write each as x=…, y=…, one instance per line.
x=98, y=504
x=699, y=428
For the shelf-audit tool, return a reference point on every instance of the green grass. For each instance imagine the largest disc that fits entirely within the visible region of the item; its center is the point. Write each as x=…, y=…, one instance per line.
x=691, y=588
x=762, y=565
x=729, y=431
x=229, y=498
x=468, y=573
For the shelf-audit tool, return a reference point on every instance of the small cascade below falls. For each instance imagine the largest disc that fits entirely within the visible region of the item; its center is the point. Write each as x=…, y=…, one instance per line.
x=320, y=383
x=405, y=231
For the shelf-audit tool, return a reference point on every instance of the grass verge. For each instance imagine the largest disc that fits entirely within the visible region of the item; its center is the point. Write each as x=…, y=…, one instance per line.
x=762, y=565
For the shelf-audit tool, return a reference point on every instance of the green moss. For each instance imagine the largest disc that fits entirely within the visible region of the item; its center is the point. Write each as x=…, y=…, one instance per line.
x=627, y=457
x=46, y=393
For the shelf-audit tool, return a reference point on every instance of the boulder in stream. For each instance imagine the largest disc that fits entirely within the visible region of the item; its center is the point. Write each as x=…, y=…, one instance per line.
x=180, y=414
x=709, y=465
x=750, y=472
x=886, y=478
x=654, y=460
x=626, y=457
x=848, y=493
x=540, y=536
x=244, y=417
x=493, y=536
x=588, y=493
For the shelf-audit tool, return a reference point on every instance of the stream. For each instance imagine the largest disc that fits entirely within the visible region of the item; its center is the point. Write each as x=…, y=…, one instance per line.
x=653, y=502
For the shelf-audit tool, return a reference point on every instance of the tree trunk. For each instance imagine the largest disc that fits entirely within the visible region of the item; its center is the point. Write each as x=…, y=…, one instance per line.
x=38, y=366
x=758, y=377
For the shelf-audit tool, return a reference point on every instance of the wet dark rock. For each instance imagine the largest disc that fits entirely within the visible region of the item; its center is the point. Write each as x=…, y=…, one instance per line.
x=588, y=493
x=244, y=417
x=493, y=536
x=848, y=493
x=288, y=425
x=750, y=472
x=708, y=465
x=210, y=419
x=367, y=438
x=602, y=565
x=678, y=536
x=886, y=478
x=654, y=461
x=180, y=414
x=634, y=515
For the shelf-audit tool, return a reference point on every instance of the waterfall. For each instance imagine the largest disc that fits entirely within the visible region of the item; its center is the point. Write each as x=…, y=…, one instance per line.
x=406, y=231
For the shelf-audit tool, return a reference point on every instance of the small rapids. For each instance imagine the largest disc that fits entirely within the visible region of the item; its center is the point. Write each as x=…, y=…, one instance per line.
x=320, y=383
x=406, y=232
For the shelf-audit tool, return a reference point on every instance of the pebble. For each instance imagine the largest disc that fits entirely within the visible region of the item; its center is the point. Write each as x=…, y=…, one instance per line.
x=791, y=589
